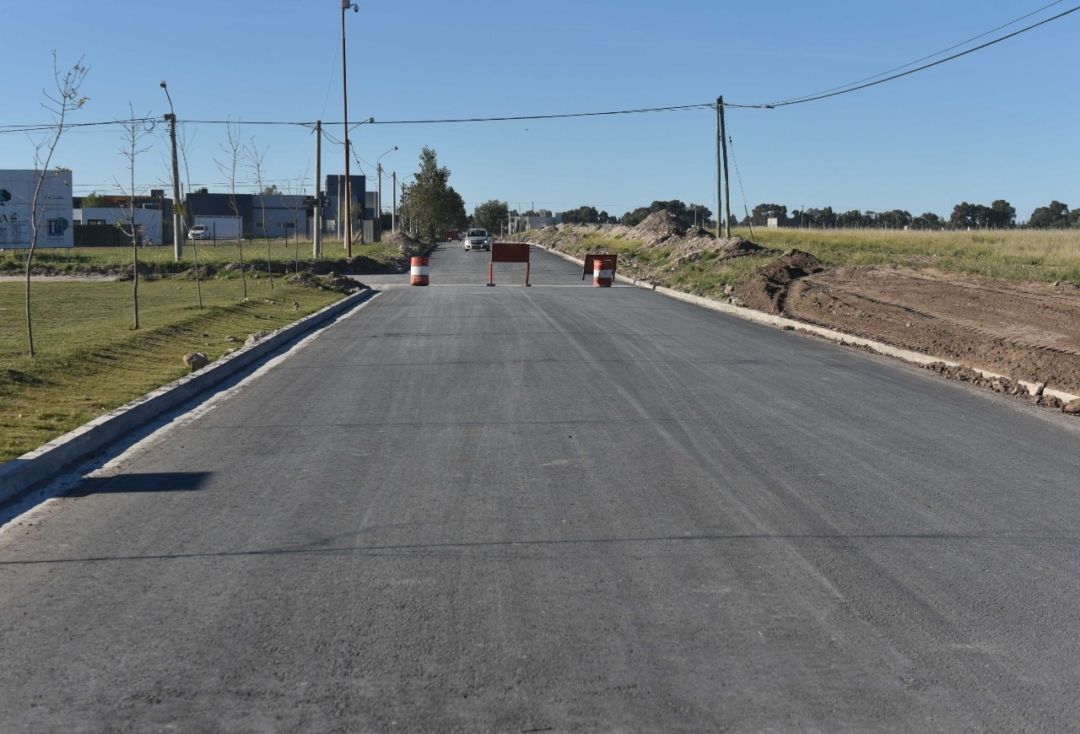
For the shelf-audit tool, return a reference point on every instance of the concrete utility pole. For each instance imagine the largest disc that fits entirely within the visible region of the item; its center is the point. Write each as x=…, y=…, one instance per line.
x=316, y=235
x=719, y=182
x=345, y=5
x=727, y=180
x=178, y=228
x=378, y=214
x=393, y=212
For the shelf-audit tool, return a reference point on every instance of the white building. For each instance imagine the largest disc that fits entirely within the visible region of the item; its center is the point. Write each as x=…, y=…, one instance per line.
x=147, y=221
x=54, y=208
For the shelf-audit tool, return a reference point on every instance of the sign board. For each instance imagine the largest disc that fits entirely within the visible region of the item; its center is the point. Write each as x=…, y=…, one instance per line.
x=54, y=209
x=509, y=252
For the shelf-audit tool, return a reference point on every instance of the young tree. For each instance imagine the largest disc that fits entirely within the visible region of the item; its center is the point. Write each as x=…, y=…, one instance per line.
x=255, y=158
x=134, y=132
x=188, y=216
x=232, y=148
x=429, y=204
x=66, y=99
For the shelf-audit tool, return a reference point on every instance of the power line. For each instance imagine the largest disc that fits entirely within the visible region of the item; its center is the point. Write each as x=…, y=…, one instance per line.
x=1014, y=21
x=858, y=86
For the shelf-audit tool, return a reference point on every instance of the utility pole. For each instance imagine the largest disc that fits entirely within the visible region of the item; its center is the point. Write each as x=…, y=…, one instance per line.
x=345, y=5
x=178, y=233
x=727, y=188
x=719, y=167
x=316, y=235
x=378, y=204
x=393, y=193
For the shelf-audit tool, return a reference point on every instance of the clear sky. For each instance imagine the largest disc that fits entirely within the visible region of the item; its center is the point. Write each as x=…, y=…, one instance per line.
x=1001, y=123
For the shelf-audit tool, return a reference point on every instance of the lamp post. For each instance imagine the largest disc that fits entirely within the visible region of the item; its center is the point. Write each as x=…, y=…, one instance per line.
x=346, y=5
x=378, y=196
x=178, y=235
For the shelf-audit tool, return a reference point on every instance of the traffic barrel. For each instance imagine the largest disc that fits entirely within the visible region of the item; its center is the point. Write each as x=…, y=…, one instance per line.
x=419, y=271
x=603, y=271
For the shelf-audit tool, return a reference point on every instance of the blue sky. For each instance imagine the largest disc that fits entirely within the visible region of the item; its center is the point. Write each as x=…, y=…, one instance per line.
x=1001, y=123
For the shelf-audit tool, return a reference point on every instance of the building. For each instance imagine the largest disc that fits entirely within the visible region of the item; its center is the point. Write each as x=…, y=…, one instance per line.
x=96, y=218
x=53, y=208
x=334, y=213
x=272, y=215
x=89, y=220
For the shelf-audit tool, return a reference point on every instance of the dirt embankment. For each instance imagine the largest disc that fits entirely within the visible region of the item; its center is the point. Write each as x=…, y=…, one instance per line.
x=1028, y=331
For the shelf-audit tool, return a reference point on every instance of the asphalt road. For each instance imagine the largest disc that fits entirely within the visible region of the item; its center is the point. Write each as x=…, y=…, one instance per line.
x=559, y=508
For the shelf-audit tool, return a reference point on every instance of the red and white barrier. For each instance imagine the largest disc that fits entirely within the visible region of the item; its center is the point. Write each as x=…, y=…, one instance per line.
x=419, y=271
x=603, y=273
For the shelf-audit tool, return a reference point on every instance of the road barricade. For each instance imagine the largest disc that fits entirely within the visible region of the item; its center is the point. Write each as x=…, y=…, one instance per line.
x=602, y=268
x=418, y=271
x=509, y=252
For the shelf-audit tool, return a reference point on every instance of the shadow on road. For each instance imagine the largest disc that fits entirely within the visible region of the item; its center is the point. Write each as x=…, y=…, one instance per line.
x=140, y=483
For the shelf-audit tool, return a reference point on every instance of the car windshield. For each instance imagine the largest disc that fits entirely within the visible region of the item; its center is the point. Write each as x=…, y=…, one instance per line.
x=478, y=233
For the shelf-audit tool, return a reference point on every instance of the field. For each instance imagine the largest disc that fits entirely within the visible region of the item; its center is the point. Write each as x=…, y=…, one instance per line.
x=159, y=259
x=89, y=358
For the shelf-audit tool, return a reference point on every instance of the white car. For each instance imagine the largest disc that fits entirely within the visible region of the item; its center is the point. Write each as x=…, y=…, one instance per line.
x=477, y=239
x=199, y=232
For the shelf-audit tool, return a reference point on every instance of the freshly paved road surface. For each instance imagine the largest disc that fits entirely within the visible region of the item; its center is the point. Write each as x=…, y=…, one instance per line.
x=565, y=509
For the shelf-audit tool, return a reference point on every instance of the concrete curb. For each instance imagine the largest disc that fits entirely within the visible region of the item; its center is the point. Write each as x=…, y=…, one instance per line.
x=760, y=317
x=49, y=459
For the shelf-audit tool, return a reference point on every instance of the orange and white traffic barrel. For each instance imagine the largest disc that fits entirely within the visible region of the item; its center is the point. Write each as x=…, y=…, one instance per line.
x=603, y=272
x=419, y=271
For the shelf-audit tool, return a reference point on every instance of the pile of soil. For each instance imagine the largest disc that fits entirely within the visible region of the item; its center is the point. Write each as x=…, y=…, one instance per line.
x=658, y=228
x=331, y=282
x=1029, y=331
x=768, y=289
x=406, y=244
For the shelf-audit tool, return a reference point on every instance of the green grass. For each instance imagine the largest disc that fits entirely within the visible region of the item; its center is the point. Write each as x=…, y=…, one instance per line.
x=91, y=361
x=1037, y=255
x=160, y=258
x=1034, y=255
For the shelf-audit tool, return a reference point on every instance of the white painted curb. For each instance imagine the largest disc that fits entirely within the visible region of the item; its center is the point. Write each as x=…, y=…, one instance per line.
x=51, y=458
x=760, y=317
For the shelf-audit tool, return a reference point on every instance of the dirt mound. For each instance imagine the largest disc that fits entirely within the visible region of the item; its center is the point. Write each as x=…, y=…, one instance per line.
x=767, y=290
x=405, y=244
x=1029, y=331
x=658, y=228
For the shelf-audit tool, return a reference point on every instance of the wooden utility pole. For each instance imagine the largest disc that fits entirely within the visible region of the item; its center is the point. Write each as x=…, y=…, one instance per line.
x=316, y=234
x=178, y=230
x=727, y=187
x=393, y=211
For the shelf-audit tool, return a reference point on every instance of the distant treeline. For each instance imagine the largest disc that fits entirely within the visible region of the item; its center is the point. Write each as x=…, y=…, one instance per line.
x=999, y=215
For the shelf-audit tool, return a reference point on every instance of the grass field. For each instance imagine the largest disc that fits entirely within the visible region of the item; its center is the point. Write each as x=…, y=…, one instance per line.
x=1033, y=255
x=1038, y=255
x=160, y=258
x=91, y=361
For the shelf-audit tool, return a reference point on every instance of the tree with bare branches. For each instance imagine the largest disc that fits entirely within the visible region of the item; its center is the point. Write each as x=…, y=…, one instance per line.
x=134, y=132
x=234, y=149
x=59, y=104
x=255, y=158
x=187, y=216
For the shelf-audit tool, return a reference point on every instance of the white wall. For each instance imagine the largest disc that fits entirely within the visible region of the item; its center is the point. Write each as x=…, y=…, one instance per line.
x=148, y=220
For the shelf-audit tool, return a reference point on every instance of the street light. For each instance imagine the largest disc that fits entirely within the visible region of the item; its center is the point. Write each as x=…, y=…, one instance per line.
x=346, y=5
x=378, y=170
x=178, y=235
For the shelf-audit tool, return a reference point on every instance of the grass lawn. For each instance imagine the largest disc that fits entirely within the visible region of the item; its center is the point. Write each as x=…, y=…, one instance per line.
x=90, y=360
x=1034, y=255
x=1038, y=255
x=160, y=258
